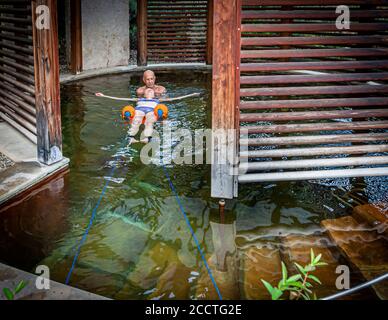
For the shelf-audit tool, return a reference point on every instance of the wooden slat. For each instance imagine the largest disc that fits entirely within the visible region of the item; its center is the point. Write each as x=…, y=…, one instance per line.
x=317, y=139
x=18, y=75
x=310, y=127
x=285, y=91
x=314, y=103
x=335, y=77
x=310, y=175
x=17, y=66
x=312, y=163
x=339, y=40
x=311, y=27
x=18, y=101
x=311, y=2
x=309, y=14
x=314, y=53
x=17, y=92
x=322, y=65
x=18, y=84
x=317, y=151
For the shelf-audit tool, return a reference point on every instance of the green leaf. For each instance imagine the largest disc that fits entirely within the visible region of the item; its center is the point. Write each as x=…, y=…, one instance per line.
x=268, y=286
x=284, y=272
x=8, y=294
x=312, y=255
x=22, y=284
x=321, y=264
x=294, y=284
x=317, y=258
x=300, y=268
x=306, y=296
x=309, y=268
x=314, y=278
x=276, y=294
x=294, y=278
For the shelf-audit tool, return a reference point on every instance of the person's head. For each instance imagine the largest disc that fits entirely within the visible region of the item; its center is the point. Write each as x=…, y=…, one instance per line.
x=149, y=78
x=149, y=93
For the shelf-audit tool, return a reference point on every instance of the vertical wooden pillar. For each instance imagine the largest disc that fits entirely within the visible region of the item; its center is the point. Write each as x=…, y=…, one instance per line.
x=225, y=91
x=76, y=36
x=209, y=32
x=142, y=32
x=47, y=94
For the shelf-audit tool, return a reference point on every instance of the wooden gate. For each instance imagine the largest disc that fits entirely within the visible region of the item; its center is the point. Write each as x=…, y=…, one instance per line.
x=312, y=95
x=172, y=31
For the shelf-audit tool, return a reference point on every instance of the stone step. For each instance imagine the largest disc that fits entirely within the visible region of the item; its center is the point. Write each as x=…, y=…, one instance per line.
x=365, y=249
x=259, y=262
x=296, y=248
x=375, y=215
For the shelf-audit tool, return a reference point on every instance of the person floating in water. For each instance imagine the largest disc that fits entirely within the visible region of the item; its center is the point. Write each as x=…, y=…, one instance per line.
x=148, y=108
x=145, y=113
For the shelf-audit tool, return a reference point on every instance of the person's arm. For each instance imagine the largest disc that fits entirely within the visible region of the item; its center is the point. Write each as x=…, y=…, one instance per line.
x=180, y=98
x=99, y=94
x=140, y=92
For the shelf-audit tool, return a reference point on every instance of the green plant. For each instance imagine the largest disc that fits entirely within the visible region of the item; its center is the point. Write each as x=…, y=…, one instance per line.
x=10, y=294
x=298, y=285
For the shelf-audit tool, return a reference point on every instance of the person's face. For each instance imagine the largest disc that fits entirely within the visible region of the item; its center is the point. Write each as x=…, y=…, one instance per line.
x=149, y=80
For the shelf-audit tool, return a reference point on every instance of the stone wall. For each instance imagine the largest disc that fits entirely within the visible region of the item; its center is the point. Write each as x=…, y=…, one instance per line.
x=105, y=33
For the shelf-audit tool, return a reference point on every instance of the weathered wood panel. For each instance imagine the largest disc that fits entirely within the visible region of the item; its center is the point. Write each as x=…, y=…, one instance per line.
x=76, y=36
x=224, y=91
x=48, y=113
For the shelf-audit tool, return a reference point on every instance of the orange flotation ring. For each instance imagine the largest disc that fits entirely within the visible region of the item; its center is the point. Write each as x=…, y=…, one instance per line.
x=161, y=112
x=127, y=113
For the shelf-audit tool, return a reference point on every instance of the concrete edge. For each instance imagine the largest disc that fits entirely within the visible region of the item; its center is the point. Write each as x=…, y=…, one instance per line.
x=54, y=168
x=67, y=78
x=11, y=276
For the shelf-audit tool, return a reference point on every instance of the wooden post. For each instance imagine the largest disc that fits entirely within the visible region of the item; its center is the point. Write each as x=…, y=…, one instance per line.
x=209, y=32
x=76, y=36
x=225, y=90
x=142, y=32
x=47, y=95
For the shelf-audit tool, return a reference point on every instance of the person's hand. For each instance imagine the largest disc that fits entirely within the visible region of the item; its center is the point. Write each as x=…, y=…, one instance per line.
x=99, y=94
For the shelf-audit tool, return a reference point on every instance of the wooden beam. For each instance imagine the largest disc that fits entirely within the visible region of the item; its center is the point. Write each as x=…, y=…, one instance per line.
x=142, y=25
x=76, y=36
x=47, y=96
x=209, y=33
x=224, y=93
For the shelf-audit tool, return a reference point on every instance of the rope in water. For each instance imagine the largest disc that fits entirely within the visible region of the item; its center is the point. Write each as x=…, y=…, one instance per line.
x=83, y=239
x=192, y=233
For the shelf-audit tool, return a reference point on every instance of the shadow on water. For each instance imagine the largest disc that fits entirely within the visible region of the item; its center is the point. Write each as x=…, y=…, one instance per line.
x=139, y=246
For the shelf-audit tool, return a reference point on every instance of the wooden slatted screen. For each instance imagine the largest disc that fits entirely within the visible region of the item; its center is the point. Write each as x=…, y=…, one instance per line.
x=313, y=96
x=176, y=30
x=17, y=90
